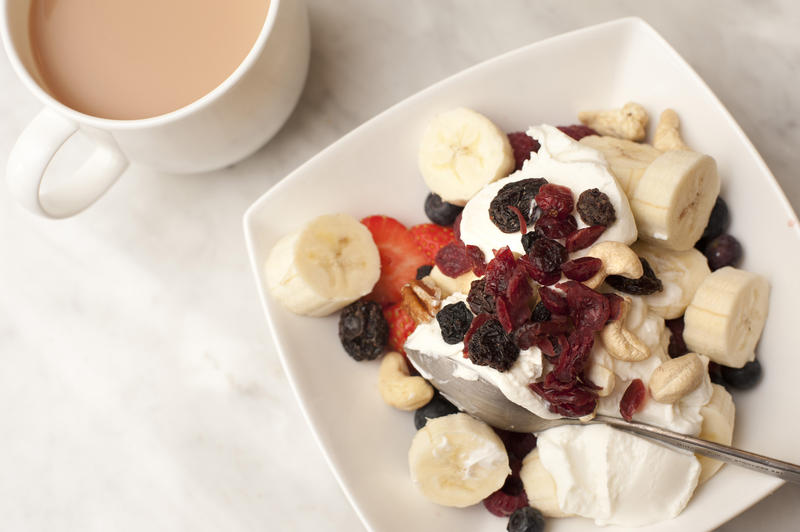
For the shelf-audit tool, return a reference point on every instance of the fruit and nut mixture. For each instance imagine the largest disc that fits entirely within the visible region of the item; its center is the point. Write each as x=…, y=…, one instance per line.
x=562, y=280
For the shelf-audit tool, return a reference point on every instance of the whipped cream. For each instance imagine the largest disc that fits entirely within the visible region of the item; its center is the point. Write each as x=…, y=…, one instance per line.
x=617, y=478
x=561, y=161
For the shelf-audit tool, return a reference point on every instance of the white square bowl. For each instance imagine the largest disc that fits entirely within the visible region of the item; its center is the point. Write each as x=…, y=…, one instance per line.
x=373, y=170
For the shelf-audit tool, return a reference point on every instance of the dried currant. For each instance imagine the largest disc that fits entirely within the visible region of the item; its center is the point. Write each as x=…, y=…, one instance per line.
x=570, y=399
x=363, y=330
x=452, y=259
x=424, y=271
x=582, y=269
x=547, y=255
x=553, y=228
x=583, y=238
x=645, y=285
x=595, y=208
x=490, y=346
x=478, y=300
x=522, y=145
x=528, y=239
x=577, y=131
x=519, y=194
x=556, y=201
x=540, y=313
x=454, y=321
x=677, y=346
x=633, y=399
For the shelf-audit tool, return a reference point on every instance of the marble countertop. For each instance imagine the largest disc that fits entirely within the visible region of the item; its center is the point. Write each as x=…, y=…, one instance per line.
x=141, y=389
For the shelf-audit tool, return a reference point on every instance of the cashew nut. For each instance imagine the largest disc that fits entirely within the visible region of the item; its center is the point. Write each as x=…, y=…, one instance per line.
x=397, y=388
x=676, y=377
x=668, y=136
x=450, y=285
x=621, y=343
x=618, y=259
x=628, y=123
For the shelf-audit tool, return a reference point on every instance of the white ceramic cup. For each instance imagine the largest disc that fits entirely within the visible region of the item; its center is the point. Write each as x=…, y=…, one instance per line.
x=224, y=126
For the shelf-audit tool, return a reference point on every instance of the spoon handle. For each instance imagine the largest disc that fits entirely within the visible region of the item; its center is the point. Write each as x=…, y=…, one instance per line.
x=777, y=468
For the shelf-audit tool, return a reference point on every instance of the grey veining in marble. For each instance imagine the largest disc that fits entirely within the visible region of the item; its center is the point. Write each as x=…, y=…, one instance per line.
x=140, y=389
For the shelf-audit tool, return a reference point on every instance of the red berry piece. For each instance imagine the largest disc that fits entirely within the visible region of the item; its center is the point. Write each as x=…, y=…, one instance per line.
x=633, y=399
x=529, y=334
x=431, y=238
x=400, y=326
x=583, y=238
x=587, y=308
x=547, y=255
x=582, y=269
x=498, y=271
x=477, y=322
x=523, y=224
x=400, y=257
x=577, y=131
x=522, y=145
x=543, y=278
x=503, y=504
x=457, y=227
x=677, y=346
x=453, y=260
x=554, y=301
x=478, y=260
x=552, y=347
x=518, y=445
x=571, y=399
x=614, y=306
x=553, y=228
x=573, y=362
x=556, y=201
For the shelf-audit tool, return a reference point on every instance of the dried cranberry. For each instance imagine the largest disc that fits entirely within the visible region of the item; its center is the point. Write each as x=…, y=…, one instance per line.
x=595, y=208
x=457, y=227
x=556, y=201
x=479, y=320
x=582, y=269
x=453, y=260
x=547, y=255
x=571, y=399
x=555, y=302
x=645, y=285
x=477, y=258
x=553, y=228
x=587, y=308
x=522, y=145
x=633, y=399
x=523, y=224
x=519, y=194
x=614, y=306
x=518, y=289
x=489, y=345
x=518, y=445
x=577, y=131
x=572, y=363
x=478, y=300
x=498, y=271
x=527, y=334
x=552, y=347
x=502, y=503
x=543, y=278
x=677, y=346
x=583, y=238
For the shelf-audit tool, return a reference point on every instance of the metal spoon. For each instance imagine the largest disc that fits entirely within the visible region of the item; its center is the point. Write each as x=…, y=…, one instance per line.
x=484, y=401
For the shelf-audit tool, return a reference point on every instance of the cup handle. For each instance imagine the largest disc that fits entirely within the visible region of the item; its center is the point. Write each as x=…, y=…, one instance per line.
x=35, y=149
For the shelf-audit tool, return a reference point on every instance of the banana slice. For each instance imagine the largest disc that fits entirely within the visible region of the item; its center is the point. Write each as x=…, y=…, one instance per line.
x=325, y=266
x=461, y=151
x=457, y=460
x=540, y=486
x=718, y=419
x=726, y=316
x=452, y=285
x=681, y=272
x=671, y=194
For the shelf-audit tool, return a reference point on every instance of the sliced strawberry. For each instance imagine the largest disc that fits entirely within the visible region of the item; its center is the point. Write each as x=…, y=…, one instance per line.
x=431, y=238
x=400, y=326
x=400, y=257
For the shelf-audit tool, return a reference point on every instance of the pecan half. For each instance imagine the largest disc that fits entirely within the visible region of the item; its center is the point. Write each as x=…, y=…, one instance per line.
x=421, y=299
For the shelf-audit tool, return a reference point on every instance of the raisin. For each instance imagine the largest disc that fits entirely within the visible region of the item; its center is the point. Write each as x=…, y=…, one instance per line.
x=556, y=201
x=490, y=346
x=519, y=194
x=528, y=239
x=645, y=285
x=633, y=399
x=478, y=300
x=454, y=321
x=595, y=208
x=540, y=313
x=424, y=271
x=570, y=399
x=363, y=330
x=723, y=250
x=553, y=228
x=582, y=269
x=522, y=145
x=439, y=211
x=577, y=131
x=479, y=320
x=583, y=238
x=453, y=260
x=518, y=445
x=677, y=346
x=553, y=301
x=547, y=255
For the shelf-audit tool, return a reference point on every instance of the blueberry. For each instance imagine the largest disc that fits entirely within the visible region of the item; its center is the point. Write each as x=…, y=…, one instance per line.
x=436, y=407
x=424, y=271
x=440, y=212
x=718, y=221
x=723, y=250
x=742, y=378
x=715, y=373
x=527, y=519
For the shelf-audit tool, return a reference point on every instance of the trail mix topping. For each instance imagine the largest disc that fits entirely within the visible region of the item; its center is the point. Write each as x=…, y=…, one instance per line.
x=363, y=330
x=633, y=399
x=582, y=269
x=519, y=194
x=489, y=345
x=645, y=285
x=555, y=228
x=555, y=201
x=454, y=321
x=595, y=208
x=577, y=131
x=522, y=145
x=583, y=238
